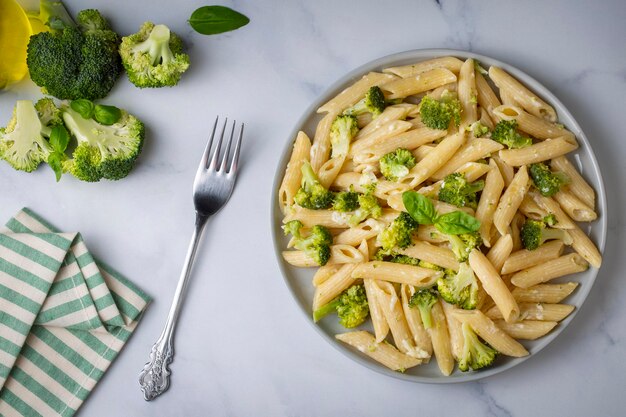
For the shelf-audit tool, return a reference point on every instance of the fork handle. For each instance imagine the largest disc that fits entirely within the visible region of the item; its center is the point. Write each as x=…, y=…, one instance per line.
x=155, y=376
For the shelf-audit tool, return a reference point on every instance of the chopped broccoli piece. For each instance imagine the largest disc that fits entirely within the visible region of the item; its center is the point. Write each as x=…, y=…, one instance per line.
x=22, y=144
x=368, y=207
x=316, y=245
x=75, y=62
x=458, y=191
x=312, y=194
x=342, y=131
x=346, y=201
x=460, y=288
x=550, y=220
x=424, y=300
x=49, y=114
x=351, y=307
x=463, y=244
x=437, y=114
x=373, y=102
x=478, y=129
x=506, y=133
x=153, y=57
x=399, y=234
x=396, y=165
x=404, y=259
x=103, y=151
x=429, y=265
x=547, y=182
x=476, y=355
x=534, y=233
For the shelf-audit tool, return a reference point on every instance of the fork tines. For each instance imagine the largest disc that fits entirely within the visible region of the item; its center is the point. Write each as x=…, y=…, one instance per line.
x=212, y=153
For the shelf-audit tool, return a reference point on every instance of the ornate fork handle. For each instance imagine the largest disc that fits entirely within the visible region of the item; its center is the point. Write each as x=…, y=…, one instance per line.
x=155, y=376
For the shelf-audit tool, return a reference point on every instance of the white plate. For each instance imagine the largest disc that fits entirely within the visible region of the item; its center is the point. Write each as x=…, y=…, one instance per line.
x=299, y=280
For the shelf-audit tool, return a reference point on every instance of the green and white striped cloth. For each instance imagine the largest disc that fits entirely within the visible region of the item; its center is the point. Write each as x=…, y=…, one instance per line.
x=64, y=317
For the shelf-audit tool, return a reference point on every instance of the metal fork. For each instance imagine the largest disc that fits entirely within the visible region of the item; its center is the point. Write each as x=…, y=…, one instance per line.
x=212, y=188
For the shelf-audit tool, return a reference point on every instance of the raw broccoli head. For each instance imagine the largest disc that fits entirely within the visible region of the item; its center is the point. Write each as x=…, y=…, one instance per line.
x=460, y=288
x=70, y=63
x=373, y=102
x=316, y=245
x=396, y=165
x=424, y=300
x=103, y=151
x=21, y=142
x=351, y=307
x=153, y=57
x=346, y=201
x=437, y=114
x=506, y=133
x=456, y=190
x=343, y=129
x=534, y=233
x=476, y=355
x=368, y=207
x=399, y=234
x=90, y=21
x=463, y=244
x=312, y=194
x=547, y=182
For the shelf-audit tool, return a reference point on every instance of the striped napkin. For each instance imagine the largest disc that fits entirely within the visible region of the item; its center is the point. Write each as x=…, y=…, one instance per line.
x=64, y=317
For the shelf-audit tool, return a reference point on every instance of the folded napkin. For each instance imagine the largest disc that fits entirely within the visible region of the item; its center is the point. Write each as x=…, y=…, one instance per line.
x=64, y=317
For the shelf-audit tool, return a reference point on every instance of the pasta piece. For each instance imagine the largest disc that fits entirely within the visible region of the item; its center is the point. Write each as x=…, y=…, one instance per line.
x=506, y=170
x=366, y=230
x=333, y=286
x=448, y=62
x=400, y=273
x=381, y=327
x=500, y=252
x=524, y=258
x=429, y=233
x=574, y=207
x=414, y=321
x=471, y=151
x=585, y=247
x=434, y=160
x=442, y=257
x=564, y=265
x=441, y=340
x=379, y=136
x=418, y=83
x=527, y=329
x=410, y=139
x=577, y=185
x=537, y=311
x=310, y=218
x=492, y=334
x=325, y=272
x=510, y=201
x=383, y=353
x=330, y=169
x=552, y=207
x=467, y=94
x=293, y=175
x=507, y=98
x=390, y=114
x=531, y=209
x=516, y=227
x=535, y=126
x=544, y=293
x=487, y=99
x=494, y=184
x=354, y=93
x=538, y=152
x=454, y=330
x=339, y=254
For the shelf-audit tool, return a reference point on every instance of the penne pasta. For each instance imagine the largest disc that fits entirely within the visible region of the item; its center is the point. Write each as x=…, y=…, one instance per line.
x=538, y=152
x=574, y=207
x=421, y=338
x=523, y=259
x=494, y=184
x=536, y=311
x=471, y=151
x=418, y=83
x=379, y=136
x=320, y=150
x=325, y=272
x=366, y=230
x=578, y=185
x=535, y=126
x=527, y=329
x=293, y=175
x=563, y=265
x=544, y=293
x=585, y=247
x=487, y=99
x=381, y=327
x=410, y=139
x=467, y=94
x=510, y=201
x=355, y=92
x=500, y=252
x=450, y=63
x=454, y=330
x=383, y=352
x=440, y=338
x=434, y=160
x=339, y=254
x=437, y=255
x=399, y=273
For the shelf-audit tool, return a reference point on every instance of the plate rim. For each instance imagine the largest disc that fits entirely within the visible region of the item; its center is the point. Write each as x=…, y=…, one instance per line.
x=424, y=54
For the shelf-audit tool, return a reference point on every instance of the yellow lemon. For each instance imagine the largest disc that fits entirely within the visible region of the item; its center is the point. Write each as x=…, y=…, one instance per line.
x=36, y=25
x=15, y=31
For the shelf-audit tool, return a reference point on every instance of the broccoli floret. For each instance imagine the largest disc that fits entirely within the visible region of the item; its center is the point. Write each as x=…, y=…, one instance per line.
x=460, y=288
x=403, y=259
x=396, y=165
x=550, y=220
x=103, y=151
x=456, y=190
x=368, y=207
x=437, y=114
x=506, y=133
x=463, y=244
x=316, y=245
x=534, y=233
x=22, y=144
x=399, y=234
x=373, y=102
x=478, y=129
x=49, y=115
x=424, y=300
x=346, y=201
x=429, y=265
x=475, y=355
x=343, y=129
x=547, y=182
x=312, y=194
x=351, y=307
x=153, y=57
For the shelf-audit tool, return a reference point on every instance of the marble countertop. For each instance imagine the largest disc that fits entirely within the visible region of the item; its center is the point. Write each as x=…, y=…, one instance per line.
x=243, y=347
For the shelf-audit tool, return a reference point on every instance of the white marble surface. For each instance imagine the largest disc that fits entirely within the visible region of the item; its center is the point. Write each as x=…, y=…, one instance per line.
x=243, y=347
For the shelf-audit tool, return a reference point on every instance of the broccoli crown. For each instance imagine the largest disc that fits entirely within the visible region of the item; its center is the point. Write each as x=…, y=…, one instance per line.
x=396, y=165
x=424, y=300
x=399, y=233
x=457, y=191
x=550, y=220
x=373, y=102
x=103, y=151
x=368, y=207
x=21, y=142
x=393, y=256
x=547, y=182
x=351, y=307
x=90, y=21
x=478, y=129
x=475, y=355
x=437, y=114
x=534, y=233
x=463, y=244
x=316, y=245
x=153, y=57
x=429, y=265
x=72, y=64
x=49, y=115
x=343, y=129
x=460, y=289
x=312, y=194
x=506, y=133
x=346, y=201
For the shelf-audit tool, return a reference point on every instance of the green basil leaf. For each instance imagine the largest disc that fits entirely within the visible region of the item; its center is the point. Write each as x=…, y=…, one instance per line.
x=211, y=20
x=107, y=115
x=59, y=138
x=83, y=107
x=456, y=223
x=419, y=207
x=55, y=160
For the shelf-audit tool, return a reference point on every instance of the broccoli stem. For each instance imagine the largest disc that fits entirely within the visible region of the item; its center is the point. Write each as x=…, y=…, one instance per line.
x=157, y=46
x=325, y=310
x=427, y=317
